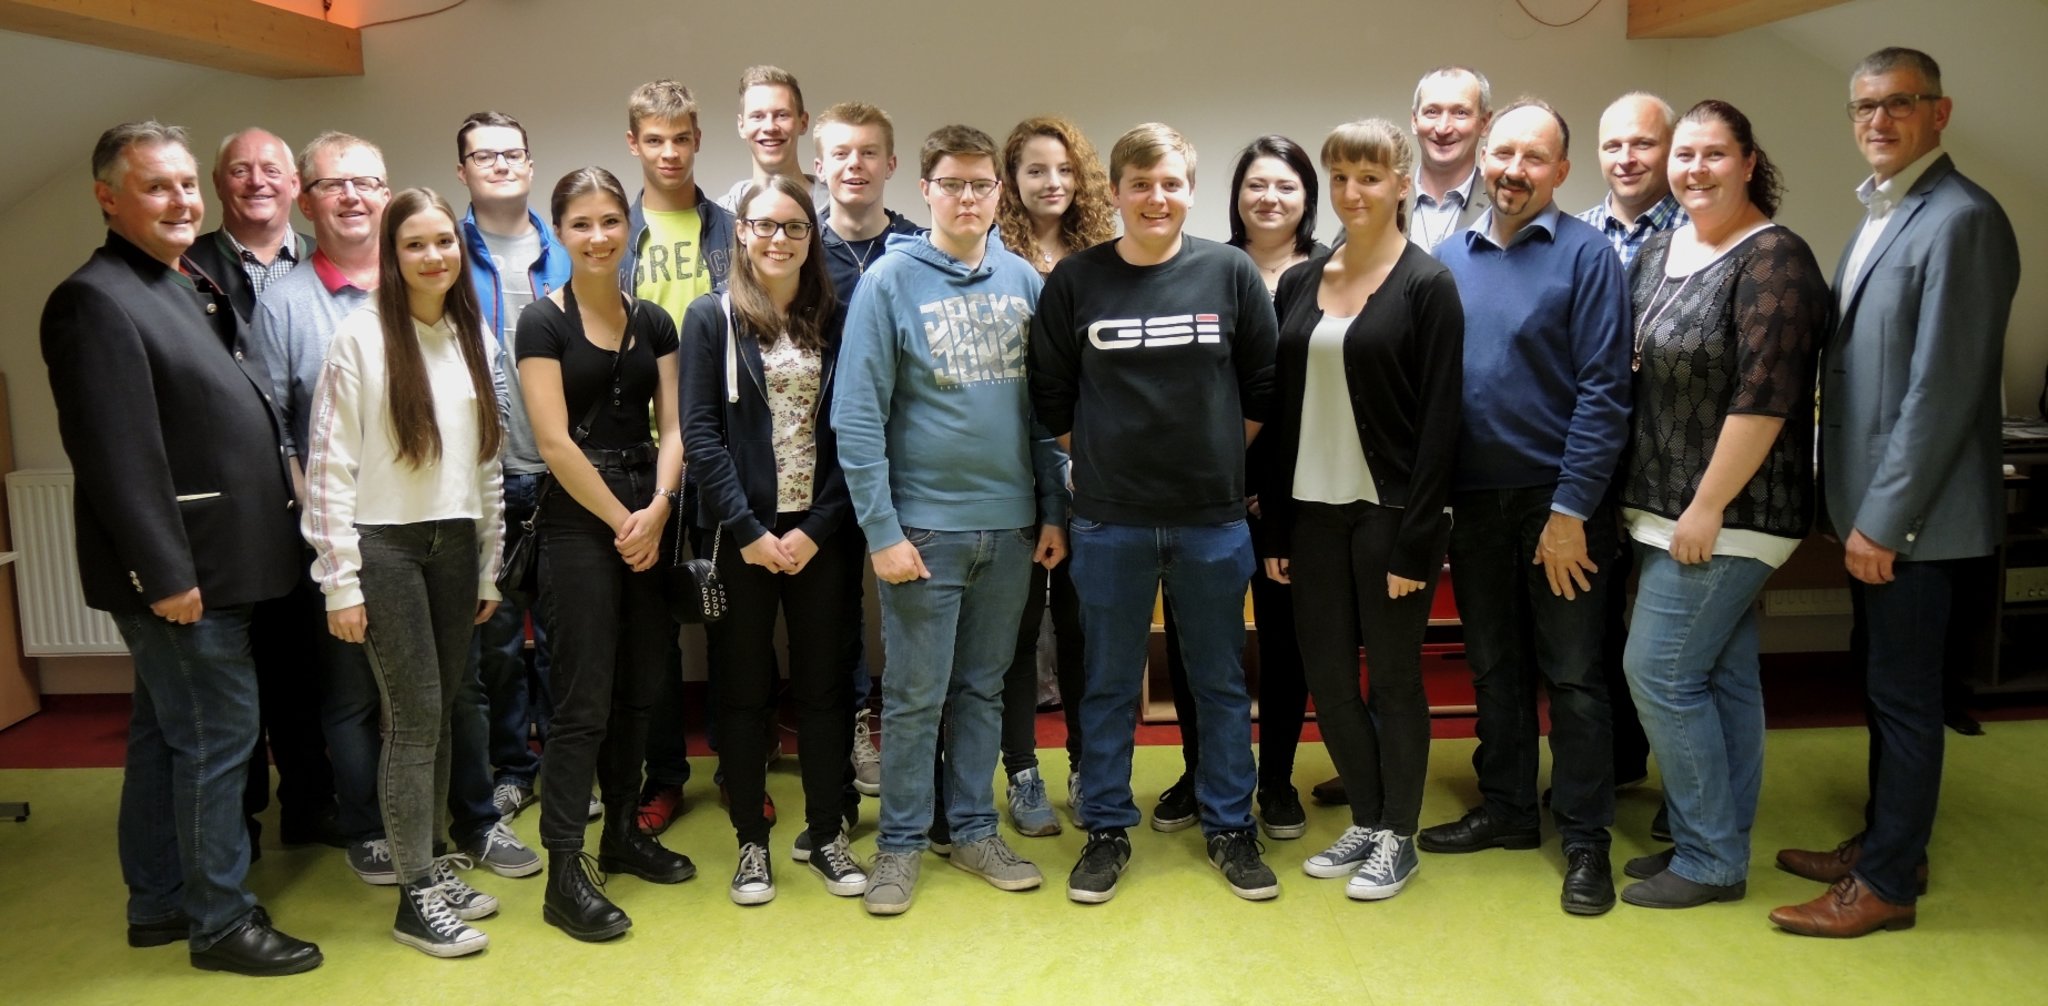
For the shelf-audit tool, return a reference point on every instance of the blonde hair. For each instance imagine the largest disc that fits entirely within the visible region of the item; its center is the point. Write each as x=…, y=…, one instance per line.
x=1373, y=141
x=855, y=113
x=1146, y=145
x=660, y=99
x=772, y=76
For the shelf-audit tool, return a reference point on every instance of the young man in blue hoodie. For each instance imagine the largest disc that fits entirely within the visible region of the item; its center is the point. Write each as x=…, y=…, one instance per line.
x=514, y=259
x=957, y=490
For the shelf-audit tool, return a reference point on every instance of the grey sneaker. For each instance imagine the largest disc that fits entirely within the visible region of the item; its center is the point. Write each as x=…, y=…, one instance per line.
x=596, y=809
x=510, y=798
x=1386, y=871
x=1344, y=855
x=502, y=853
x=1029, y=809
x=752, y=882
x=1074, y=796
x=1236, y=854
x=371, y=859
x=867, y=762
x=465, y=901
x=835, y=865
x=891, y=883
x=993, y=860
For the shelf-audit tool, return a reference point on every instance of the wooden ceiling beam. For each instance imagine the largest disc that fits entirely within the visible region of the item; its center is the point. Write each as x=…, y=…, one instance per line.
x=1711, y=18
x=242, y=36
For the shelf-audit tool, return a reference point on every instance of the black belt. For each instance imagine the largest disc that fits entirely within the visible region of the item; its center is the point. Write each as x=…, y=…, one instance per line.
x=638, y=456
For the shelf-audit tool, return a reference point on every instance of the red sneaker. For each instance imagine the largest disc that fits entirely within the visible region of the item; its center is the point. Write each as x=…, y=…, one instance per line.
x=659, y=809
x=767, y=803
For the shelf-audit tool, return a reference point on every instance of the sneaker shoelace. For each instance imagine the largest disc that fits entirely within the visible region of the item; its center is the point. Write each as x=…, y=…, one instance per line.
x=1381, y=861
x=505, y=795
x=1101, y=852
x=891, y=870
x=838, y=858
x=864, y=752
x=1348, y=844
x=1031, y=792
x=999, y=853
x=445, y=878
x=436, y=911
x=1242, y=848
x=378, y=850
x=753, y=864
x=498, y=836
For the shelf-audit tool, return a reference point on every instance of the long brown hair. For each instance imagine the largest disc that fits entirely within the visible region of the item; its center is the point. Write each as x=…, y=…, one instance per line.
x=411, y=404
x=805, y=320
x=1090, y=218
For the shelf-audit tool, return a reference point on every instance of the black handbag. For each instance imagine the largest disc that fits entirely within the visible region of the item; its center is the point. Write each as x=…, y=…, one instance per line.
x=520, y=571
x=695, y=594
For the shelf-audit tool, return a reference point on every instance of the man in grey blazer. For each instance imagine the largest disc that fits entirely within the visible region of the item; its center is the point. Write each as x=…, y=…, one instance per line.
x=1909, y=465
x=184, y=523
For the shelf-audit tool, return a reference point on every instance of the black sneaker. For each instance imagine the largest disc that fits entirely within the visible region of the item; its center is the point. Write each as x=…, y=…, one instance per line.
x=1280, y=813
x=940, y=834
x=753, y=883
x=834, y=864
x=1236, y=854
x=1176, y=809
x=428, y=924
x=1093, y=880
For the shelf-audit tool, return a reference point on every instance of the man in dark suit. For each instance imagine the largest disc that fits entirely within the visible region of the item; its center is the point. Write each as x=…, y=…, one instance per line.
x=184, y=521
x=1909, y=465
x=256, y=181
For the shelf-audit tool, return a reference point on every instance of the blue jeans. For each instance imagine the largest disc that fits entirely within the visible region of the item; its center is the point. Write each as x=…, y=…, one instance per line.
x=948, y=640
x=499, y=655
x=420, y=593
x=1518, y=633
x=1905, y=624
x=349, y=718
x=1117, y=570
x=1692, y=667
x=184, y=848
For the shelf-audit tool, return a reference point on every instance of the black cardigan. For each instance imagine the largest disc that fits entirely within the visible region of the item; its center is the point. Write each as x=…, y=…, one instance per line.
x=730, y=445
x=1404, y=364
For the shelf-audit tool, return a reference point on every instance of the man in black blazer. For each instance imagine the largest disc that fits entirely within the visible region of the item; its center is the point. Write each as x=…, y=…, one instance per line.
x=256, y=182
x=185, y=520
x=1909, y=459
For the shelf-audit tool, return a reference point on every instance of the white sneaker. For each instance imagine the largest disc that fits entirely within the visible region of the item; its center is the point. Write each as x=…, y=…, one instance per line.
x=753, y=883
x=427, y=923
x=465, y=901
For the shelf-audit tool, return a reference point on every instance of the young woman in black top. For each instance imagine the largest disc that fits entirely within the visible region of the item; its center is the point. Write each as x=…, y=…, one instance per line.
x=756, y=403
x=1359, y=456
x=591, y=359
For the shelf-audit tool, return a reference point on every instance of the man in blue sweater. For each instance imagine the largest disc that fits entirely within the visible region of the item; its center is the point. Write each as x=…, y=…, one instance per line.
x=957, y=490
x=1546, y=416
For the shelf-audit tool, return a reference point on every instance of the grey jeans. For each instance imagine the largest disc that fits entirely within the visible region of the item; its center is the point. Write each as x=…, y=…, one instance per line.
x=420, y=593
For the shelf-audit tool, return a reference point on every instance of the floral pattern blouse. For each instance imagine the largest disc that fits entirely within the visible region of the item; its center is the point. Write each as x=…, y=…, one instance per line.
x=793, y=379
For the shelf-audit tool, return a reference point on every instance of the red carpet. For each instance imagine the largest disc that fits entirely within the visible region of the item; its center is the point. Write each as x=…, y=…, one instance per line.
x=1800, y=690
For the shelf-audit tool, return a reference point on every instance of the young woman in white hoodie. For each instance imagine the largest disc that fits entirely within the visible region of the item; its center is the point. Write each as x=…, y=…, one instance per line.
x=405, y=513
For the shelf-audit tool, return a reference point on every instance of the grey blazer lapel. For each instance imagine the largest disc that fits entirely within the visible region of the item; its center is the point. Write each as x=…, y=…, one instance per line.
x=1901, y=218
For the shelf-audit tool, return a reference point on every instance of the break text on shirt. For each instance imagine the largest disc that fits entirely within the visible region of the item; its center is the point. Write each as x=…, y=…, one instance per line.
x=976, y=338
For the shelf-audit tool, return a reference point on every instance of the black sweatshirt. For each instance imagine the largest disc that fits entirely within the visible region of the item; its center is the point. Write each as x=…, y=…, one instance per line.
x=1154, y=370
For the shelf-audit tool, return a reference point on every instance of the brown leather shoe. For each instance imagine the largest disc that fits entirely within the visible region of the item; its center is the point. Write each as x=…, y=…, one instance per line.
x=1829, y=867
x=1848, y=909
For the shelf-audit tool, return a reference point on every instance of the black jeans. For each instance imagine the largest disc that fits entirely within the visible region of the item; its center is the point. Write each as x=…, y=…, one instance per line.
x=420, y=594
x=1283, y=690
x=1020, y=682
x=610, y=632
x=282, y=634
x=1631, y=745
x=1380, y=741
x=1518, y=633
x=818, y=606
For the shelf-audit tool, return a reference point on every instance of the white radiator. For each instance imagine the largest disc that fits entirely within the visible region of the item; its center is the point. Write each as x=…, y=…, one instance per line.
x=54, y=619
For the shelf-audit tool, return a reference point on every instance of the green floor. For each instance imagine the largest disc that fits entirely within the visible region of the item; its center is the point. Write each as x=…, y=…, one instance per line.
x=1482, y=928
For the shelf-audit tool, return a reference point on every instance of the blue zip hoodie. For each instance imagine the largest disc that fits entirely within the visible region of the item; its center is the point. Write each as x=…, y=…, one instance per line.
x=714, y=241
x=550, y=271
x=933, y=409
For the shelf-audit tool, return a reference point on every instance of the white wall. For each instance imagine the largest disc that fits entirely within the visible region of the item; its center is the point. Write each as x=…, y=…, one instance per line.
x=1220, y=71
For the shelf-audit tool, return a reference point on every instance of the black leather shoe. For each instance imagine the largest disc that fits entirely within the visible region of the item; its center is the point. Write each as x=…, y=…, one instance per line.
x=1588, y=881
x=624, y=849
x=255, y=948
x=1330, y=793
x=160, y=934
x=575, y=902
x=1475, y=831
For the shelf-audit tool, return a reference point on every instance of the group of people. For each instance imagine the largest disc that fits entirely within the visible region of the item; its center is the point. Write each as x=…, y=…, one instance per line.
x=1053, y=396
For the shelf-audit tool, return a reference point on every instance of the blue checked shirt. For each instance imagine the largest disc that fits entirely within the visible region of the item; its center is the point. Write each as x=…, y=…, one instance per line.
x=1628, y=238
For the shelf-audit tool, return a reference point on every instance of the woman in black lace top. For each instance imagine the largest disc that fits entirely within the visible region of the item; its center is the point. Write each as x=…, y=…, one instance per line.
x=1717, y=490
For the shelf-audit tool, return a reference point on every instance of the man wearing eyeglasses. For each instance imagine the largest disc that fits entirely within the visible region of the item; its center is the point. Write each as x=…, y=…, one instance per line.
x=514, y=258
x=958, y=490
x=1910, y=465
x=343, y=197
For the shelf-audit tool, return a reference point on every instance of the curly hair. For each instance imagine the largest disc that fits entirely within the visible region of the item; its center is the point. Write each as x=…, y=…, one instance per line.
x=1090, y=218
